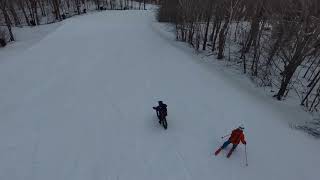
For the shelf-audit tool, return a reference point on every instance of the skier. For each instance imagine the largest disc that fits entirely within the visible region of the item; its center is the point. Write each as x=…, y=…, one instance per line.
x=235, y=138
x=161, y=111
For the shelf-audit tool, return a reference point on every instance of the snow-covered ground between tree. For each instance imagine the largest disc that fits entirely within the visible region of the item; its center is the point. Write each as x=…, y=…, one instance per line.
x=26, y=37
x=77, y=105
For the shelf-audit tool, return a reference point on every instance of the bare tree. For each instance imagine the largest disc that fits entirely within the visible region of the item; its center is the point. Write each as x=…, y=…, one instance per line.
x=4, y=9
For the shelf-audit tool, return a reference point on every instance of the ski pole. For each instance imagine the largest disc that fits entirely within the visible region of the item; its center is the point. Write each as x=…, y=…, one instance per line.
x=245, y=149
x=225, y=136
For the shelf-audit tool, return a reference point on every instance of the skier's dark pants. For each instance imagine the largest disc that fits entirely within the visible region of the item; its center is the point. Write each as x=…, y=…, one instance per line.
x=225, y=144
x=161, y=118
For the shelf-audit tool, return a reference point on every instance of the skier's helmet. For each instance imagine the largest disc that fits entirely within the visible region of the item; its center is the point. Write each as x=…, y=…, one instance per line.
x=241, y=127
x=160, y=103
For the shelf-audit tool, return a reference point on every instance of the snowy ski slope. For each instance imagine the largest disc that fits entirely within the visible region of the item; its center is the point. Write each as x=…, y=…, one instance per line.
x=78, y=106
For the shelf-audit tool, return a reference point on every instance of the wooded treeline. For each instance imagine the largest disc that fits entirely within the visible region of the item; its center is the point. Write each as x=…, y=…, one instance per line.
x=36, y=12
x=276, y=42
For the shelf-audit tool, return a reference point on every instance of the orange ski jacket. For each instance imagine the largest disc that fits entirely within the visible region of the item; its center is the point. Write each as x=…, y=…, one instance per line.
x=237, y=136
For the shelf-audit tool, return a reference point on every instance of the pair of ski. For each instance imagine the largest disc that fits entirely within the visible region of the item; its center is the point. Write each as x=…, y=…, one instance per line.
x=219, y=150
x=230, y=153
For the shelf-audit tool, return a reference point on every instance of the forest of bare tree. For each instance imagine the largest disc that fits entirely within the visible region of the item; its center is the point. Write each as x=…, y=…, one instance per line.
x=275, y=42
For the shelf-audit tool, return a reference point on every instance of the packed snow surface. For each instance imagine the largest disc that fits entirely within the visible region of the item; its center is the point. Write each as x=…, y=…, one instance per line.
x=77, y=105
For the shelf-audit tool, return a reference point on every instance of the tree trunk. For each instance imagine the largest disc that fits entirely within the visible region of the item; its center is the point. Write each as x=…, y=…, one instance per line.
x=206, y=33
x=314, y=79
x=42, y=8
x=222, y=39
x=244, y=64
x=14, y=14
x=21, y=5
x=217, y=30
x=29, y=6
x=7, y=21
x=286, y=78
x=57, y=9
x=251, y=37
x=310, y=90
x=307, y=71
x=35, y=10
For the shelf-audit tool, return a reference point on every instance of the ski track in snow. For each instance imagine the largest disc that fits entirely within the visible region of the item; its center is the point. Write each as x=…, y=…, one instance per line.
x=77, y=105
